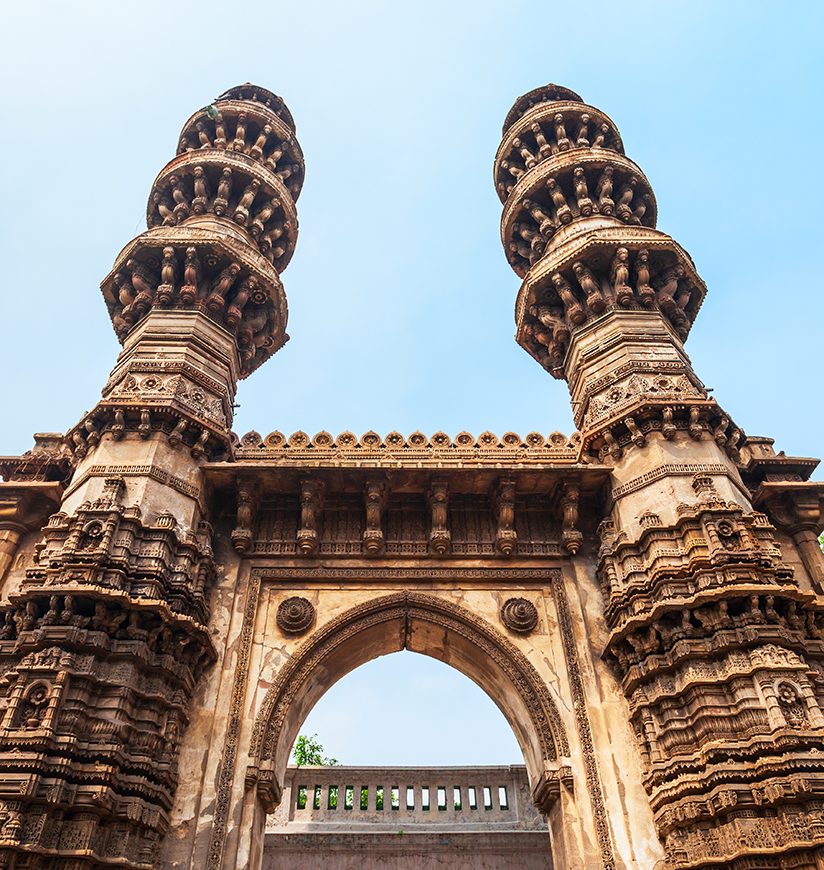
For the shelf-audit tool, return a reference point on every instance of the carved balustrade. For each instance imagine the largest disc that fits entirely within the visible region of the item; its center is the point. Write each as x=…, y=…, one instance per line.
x=459, y=798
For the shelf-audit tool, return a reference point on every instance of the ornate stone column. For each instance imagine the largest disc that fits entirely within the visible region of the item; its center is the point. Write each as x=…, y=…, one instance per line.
x=715, y=642
x=106, y=639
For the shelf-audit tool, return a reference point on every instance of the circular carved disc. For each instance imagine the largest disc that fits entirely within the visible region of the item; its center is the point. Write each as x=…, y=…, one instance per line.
x=519, y=615
x=295, y=615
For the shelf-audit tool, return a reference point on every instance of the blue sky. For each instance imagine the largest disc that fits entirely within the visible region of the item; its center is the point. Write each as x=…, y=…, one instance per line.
x=401, y=300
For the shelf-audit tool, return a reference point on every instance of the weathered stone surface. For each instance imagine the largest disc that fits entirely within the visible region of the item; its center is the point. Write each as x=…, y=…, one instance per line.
x=457, y=851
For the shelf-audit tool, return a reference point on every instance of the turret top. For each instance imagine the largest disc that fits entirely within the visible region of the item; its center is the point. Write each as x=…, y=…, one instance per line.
x=257, y=94
x=545, y=94
x=222, y=226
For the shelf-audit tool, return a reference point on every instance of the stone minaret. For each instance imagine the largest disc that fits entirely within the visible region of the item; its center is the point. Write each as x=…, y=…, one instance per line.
x=107, y=634
x=715, y=639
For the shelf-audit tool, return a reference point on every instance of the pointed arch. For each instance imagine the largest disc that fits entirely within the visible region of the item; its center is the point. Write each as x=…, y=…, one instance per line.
x=425, y=624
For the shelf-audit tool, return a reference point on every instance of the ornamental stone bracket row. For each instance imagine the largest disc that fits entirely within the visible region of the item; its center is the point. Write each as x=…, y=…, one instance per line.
x=382, y=516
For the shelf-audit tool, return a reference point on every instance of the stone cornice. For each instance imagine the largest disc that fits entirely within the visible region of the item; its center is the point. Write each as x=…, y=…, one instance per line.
x=417, y=449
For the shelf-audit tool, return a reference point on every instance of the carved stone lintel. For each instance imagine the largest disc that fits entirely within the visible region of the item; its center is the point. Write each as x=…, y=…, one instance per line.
x=376, y=491
x=440, y=540
x=311, y=504
x=503, y=506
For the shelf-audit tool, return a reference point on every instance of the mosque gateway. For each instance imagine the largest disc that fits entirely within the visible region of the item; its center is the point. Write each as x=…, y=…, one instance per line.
x=644, y=599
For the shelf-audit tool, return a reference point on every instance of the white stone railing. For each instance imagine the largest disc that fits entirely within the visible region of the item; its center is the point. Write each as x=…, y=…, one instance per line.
x=338, y=798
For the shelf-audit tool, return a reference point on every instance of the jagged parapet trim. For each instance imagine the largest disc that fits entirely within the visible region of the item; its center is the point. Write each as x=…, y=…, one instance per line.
x=556, y=442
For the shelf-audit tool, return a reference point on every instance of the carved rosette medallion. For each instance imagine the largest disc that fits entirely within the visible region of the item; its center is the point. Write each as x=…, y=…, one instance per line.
x=519, y=615
x=295, y=615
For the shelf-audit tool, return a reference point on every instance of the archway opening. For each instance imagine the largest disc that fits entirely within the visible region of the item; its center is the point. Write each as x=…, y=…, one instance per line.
x=411, y=710
x=433, y=627
x=429, y=775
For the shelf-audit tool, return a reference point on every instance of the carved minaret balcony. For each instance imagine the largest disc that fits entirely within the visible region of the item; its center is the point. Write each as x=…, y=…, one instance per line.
x=716, y=640
x=197, y=299
x=222, y=226
x=579, y=227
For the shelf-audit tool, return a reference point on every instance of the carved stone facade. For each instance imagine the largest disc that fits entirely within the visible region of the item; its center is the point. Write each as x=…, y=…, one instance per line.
x=644, y=600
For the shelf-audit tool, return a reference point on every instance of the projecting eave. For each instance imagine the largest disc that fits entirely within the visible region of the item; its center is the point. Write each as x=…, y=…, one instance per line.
x=282, y=477
x=538, y=462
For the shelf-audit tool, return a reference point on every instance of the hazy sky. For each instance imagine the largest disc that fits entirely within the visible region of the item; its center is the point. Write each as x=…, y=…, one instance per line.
x=401, y=300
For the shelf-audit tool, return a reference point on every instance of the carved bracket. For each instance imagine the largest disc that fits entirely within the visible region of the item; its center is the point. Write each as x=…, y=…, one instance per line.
x=440, y=540
x=311, y=505
x=548, y=788
x=269, y=790
x=247, y=504
x=376, y=491
x=571, y=536
x=797, y=508
x=503, y=507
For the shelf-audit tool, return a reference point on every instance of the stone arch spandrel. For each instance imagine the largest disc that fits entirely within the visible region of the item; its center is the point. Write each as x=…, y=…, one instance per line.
x=425, y=624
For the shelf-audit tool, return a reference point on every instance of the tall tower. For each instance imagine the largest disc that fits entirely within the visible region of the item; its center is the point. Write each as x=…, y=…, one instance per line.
x=716, y=641
x=107, y=635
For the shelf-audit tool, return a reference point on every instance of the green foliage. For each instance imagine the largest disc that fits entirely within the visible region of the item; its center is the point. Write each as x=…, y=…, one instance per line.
x=309, y=750
x=821, y=541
